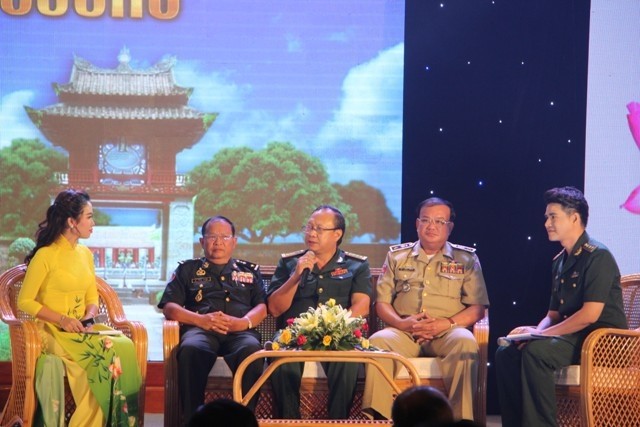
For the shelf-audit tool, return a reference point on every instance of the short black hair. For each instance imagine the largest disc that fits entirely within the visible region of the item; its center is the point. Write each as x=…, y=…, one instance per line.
x=224, y=412
x=338, y=219
x=218, y=218
x=421, y=405
x=435, y=201
x=571, y=199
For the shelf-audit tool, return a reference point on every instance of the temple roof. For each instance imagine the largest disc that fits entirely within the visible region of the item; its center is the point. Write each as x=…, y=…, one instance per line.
x=157, y=80
x=121, y=113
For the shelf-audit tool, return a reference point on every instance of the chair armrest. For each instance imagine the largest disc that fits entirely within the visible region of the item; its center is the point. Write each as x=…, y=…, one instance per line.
x=26, y=347
x=481, y=334
x=170, y=337
x=609, y=377
x=170, y=340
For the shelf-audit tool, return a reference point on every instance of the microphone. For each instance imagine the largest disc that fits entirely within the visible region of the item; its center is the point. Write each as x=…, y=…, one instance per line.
x=304, y=275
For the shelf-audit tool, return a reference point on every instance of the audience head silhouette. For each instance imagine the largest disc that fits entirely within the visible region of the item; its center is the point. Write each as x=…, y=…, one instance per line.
x=223, y=412
x=422, y=406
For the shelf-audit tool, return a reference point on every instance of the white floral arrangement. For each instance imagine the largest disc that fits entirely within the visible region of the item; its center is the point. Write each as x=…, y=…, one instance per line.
x=327, y=327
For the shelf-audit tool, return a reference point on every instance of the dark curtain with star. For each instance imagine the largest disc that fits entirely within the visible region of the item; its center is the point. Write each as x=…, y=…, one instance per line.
x=494, y=115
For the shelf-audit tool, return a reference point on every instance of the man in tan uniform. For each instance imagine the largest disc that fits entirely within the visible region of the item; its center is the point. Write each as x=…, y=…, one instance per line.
x=430, y=293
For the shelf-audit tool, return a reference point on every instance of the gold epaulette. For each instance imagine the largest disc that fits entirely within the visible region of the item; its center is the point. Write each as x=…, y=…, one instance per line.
x=401, y=246
x=248, y=264
x=463, y=248
x=290, y=254
x=356, y=256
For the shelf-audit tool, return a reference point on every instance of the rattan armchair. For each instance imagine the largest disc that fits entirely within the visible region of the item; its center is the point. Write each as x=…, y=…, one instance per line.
x=26, y=346
x=608, y=390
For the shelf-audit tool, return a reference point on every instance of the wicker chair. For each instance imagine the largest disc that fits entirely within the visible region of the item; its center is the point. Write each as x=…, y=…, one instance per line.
x=606, y=386
x=26, y=346
x=314, y=389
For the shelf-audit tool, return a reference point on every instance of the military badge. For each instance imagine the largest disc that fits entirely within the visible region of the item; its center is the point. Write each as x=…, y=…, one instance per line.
x=451, y=268
x=199, y=295
x=200, y=272
x=339, y=272
x=404, y=286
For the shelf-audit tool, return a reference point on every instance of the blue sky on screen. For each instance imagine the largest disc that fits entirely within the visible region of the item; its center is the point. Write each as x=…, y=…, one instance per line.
x=323, y=75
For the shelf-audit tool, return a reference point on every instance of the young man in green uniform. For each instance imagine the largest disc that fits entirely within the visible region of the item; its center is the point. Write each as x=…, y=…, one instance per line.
x=585, y=295
x=330, y=273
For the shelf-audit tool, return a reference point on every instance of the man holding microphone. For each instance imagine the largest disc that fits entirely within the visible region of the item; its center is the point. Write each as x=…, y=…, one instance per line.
x=309, y=277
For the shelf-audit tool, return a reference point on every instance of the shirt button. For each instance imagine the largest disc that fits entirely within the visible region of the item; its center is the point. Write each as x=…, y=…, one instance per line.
x=424, y=294
x=561, y=280
x=574, y=285
x=429, y=268
x=320, y=290
x=562, y=301
x=321, y=276
x=426, y=282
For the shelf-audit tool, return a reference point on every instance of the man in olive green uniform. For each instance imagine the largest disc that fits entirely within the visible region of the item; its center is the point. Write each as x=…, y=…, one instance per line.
x=430, y=293
x=218, y=301
x=330, y=273
x=585, y=296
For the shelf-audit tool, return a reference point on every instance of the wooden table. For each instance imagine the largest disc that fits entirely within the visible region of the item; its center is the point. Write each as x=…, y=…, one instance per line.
x=292, y=356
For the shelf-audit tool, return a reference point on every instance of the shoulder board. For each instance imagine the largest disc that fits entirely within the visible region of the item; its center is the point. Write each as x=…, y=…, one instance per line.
x=589, y=247
x=356, y=256
x=248, y=264
x=187, y=261
x=401, y=246
x=294, y=253
x=558, y=255
x=463, y=248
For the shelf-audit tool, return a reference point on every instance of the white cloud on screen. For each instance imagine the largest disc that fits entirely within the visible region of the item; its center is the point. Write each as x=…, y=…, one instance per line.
x=14, y=122
x=370, y=113
x=362, y=140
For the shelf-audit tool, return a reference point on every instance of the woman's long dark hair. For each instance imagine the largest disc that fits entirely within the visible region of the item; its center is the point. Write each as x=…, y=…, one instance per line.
x=68, y=204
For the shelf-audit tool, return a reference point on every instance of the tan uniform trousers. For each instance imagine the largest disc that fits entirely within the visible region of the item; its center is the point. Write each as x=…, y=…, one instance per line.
x=457, y=352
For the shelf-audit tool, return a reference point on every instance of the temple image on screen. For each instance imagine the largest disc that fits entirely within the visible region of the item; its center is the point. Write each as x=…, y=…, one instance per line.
x=122, y=129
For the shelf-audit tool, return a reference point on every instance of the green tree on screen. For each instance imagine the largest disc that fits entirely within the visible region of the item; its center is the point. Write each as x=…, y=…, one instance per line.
x=26, y=180
x=19, y=248
x=366, y=200
x=267, y=193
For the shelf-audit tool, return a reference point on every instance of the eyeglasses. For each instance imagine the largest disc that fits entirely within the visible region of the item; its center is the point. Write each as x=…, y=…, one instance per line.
x=436, y=222
x=215, y=237
x=307, y=229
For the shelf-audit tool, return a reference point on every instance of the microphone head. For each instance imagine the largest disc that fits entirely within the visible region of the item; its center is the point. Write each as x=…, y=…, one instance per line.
x=268, y=345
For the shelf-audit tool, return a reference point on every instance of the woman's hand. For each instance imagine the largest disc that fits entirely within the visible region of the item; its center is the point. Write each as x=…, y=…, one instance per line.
x=70, y=324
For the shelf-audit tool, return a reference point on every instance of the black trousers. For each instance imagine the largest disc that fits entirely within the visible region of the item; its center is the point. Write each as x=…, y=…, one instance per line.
x=196, y=355
x=526, y=380
x=341, y=377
